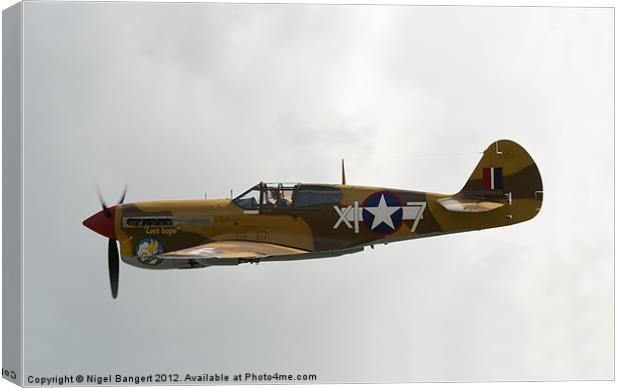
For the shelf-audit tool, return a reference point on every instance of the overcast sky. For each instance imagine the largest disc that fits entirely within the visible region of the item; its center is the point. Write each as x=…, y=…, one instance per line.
x=183, y=99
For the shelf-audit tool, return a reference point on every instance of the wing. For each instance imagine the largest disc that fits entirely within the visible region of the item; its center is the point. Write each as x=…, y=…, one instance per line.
x=230, y=253
x=225, y=253
x=244, y=250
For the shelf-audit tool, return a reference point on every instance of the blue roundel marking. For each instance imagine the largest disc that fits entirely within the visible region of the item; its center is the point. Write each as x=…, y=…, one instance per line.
x=383, y=212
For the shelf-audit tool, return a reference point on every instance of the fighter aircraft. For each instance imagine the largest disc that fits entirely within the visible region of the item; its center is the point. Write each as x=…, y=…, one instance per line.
x=297, y=221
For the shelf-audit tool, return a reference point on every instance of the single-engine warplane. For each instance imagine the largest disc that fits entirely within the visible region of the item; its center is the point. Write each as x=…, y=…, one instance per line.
x=297, y=221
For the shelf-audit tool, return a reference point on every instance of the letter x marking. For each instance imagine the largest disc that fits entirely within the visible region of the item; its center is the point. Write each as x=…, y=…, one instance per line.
x=343, y=216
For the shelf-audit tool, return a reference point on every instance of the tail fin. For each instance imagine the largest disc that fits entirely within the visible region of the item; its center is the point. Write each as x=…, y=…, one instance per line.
x=506, y=177
x=505, y=167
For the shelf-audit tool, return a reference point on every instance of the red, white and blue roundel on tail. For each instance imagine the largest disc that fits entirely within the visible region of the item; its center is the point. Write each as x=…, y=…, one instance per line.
x=383, y=212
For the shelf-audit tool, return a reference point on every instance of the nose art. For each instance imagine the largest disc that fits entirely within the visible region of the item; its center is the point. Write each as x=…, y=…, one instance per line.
x=102, y=224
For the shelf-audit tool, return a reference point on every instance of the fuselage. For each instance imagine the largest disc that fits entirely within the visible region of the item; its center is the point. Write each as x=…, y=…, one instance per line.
x=312, y=217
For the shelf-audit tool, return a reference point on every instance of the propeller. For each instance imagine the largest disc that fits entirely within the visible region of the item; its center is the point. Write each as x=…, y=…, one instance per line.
x=113, y=255
x=113, y=266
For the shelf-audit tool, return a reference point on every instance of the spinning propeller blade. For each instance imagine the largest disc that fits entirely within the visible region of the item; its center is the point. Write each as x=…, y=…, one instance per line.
x=113, y=254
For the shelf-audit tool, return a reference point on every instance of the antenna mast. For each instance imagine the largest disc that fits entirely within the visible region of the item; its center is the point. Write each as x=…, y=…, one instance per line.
x=344, y=180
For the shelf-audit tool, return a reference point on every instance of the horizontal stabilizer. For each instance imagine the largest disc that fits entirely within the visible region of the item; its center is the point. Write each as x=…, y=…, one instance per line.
x=465, y=205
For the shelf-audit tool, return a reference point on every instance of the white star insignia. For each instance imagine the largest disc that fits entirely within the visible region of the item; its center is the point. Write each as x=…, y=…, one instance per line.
x=382, y=213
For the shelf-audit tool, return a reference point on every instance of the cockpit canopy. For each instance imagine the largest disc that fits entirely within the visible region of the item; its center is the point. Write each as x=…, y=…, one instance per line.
x=266, y=196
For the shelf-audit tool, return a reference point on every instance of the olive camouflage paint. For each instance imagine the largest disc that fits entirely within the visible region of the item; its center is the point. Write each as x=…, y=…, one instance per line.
x=303, y=221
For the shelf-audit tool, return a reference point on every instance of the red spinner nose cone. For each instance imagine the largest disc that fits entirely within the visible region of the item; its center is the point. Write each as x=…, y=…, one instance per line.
x=102, y=224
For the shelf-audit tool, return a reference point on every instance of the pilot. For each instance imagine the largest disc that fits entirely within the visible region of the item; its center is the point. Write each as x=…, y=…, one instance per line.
x=281, y=202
